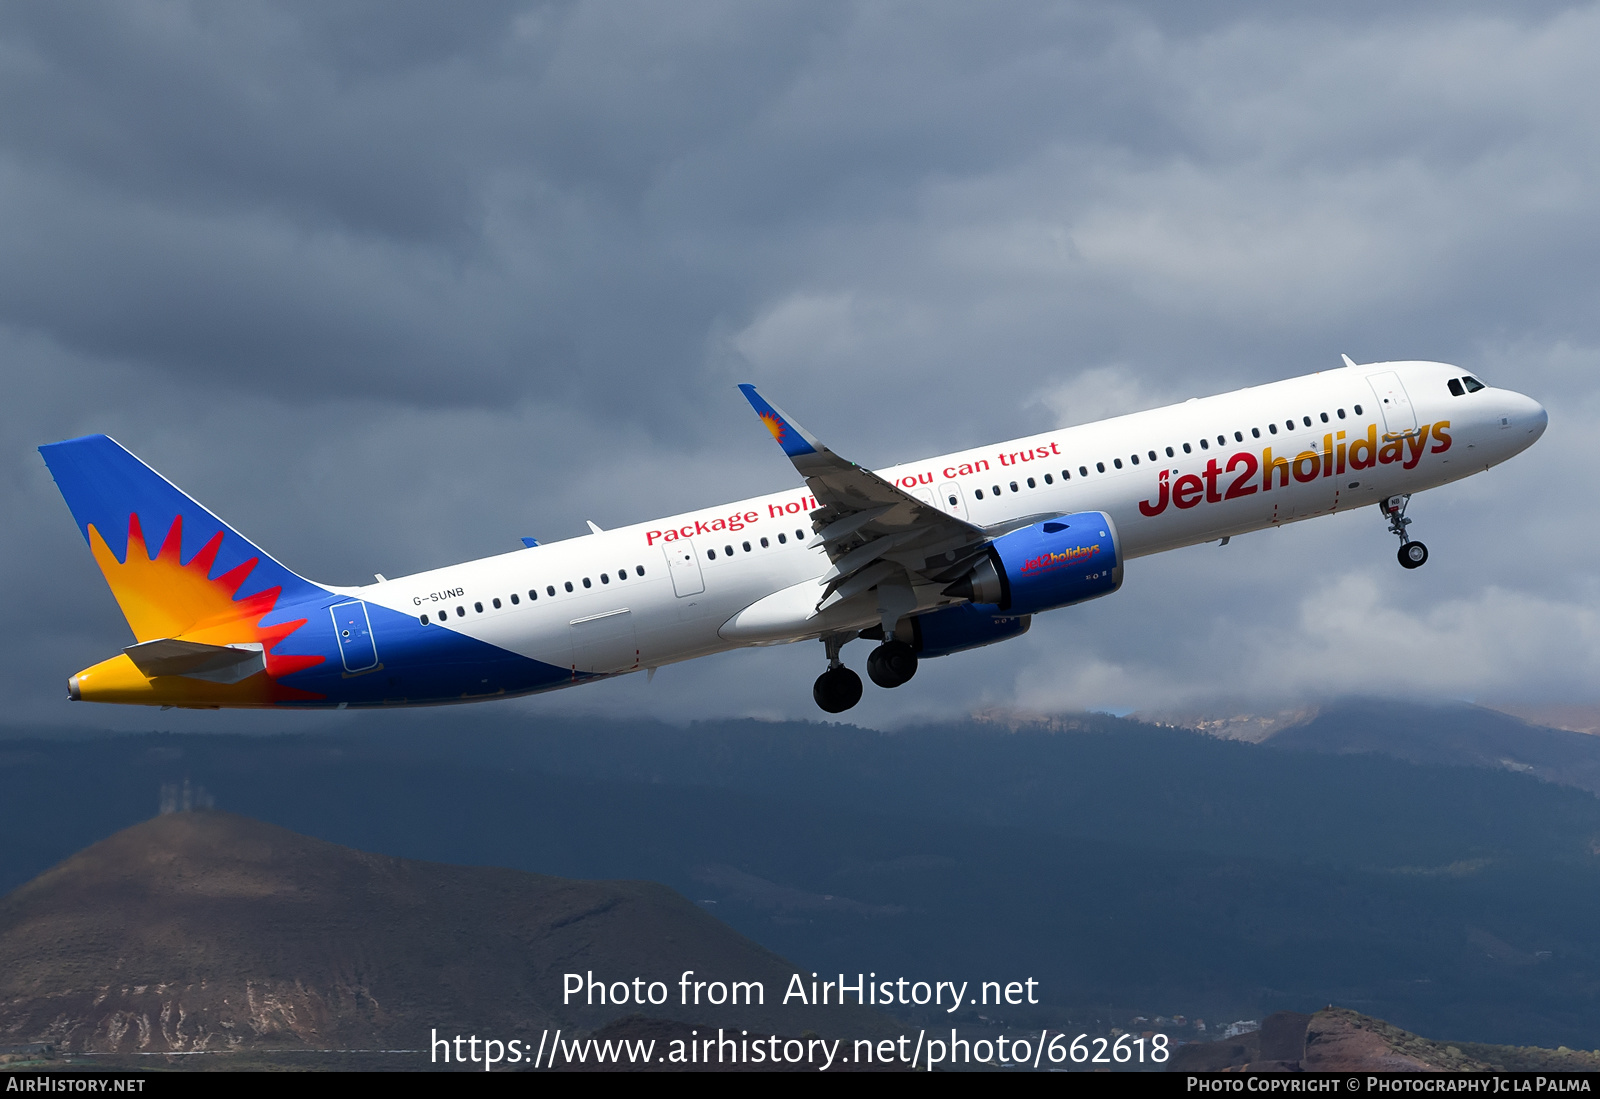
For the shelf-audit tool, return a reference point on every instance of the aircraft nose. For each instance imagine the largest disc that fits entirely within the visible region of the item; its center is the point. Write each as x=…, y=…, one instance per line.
x=1531, y=416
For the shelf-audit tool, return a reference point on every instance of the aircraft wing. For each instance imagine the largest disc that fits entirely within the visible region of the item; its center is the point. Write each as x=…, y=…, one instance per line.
x=872, y=530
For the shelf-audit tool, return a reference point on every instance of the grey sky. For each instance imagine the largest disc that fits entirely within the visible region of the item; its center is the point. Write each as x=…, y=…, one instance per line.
x=390, y=286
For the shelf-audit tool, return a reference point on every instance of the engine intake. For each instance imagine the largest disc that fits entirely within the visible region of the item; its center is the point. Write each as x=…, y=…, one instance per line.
x=1051, y=564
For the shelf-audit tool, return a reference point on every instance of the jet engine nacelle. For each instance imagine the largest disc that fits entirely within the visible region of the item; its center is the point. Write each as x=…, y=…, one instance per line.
x=962, y=627
x=1051, y=564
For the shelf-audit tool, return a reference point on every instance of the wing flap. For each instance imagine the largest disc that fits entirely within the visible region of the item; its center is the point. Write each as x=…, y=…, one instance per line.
x=862, y=519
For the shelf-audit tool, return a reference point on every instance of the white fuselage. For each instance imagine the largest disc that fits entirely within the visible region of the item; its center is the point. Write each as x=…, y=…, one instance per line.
x=692, y=580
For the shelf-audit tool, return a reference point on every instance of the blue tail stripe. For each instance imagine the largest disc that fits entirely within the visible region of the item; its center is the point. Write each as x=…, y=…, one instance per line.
x=103, y=484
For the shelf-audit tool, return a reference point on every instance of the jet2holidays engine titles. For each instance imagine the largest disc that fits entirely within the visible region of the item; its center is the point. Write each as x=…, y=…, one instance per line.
x=926, y=559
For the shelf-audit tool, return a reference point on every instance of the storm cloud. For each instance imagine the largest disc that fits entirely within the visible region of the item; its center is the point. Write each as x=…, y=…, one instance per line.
x=392, y=285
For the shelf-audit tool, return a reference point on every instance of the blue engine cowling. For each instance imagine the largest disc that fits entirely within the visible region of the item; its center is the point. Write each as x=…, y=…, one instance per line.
x=964, y=626
x=1051, y=564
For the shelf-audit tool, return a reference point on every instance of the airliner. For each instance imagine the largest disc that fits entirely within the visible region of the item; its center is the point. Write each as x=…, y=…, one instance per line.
x=926, y=559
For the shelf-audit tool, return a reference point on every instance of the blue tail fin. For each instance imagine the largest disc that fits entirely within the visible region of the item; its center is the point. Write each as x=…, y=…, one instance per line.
x=127, y=507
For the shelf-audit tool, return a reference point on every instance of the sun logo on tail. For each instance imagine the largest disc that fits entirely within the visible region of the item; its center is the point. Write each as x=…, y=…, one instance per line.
x=776, y=426
x=163, y=596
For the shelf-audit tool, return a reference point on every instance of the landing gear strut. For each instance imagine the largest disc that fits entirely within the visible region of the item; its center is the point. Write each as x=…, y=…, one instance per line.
x=1413, y=555
x=838, y=688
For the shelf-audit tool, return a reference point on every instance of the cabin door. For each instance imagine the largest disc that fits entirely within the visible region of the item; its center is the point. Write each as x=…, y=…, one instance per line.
x=1398, y=413
x=353, y=630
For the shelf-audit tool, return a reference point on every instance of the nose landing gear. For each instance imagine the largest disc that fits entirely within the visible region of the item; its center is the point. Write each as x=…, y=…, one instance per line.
x=838, y=688
x=1412, y=555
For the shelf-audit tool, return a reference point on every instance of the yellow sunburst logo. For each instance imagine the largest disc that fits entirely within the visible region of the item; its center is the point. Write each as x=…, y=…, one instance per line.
x=776, y=426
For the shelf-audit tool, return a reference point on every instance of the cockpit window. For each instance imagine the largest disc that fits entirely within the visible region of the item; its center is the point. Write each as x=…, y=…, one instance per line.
x=1455, y=387
x=1472, y=384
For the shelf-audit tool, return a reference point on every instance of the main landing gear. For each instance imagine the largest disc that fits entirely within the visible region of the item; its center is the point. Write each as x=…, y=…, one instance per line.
x=1413, y=555
x=891, y=664
x=838, y=688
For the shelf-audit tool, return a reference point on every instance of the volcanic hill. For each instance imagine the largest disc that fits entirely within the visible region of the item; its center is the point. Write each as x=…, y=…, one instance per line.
x=205, y=930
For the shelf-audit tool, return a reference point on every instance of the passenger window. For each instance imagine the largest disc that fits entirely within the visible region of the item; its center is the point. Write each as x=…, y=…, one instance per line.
x=424, y=620
x=1013, y=486
x=1083, y=471
x=1272, y=428
x=533, y=594
x=1152, y=455
x=461, y=612
x=711, y=555
x=1204, y=445
x=1187, y=449
x=478, y=607
x=728, y=550
x=746, y=547
x=1047, y=480
x=551, y=588
x=782, y=538
x=1222, y=440
x=1134, y=458
x=1117, y=462
x=622, y=574
x=1358, y=410
x=997, y=490
x=765, y=544
x=497, y=603
x=638, y=570
x=1101, y=466
x=1324, y=417
x=586, y=582
x=1341, y=414
x=568, y=585
x=799, y=536
x=1238, y=436
x=514, y=600
x=1255, y=433
x=1170, y=454
x=1472, y=384
x=605, y=578
x=978, y=492
x=1032, y=483
x=1288, y=425
x=1307, y=419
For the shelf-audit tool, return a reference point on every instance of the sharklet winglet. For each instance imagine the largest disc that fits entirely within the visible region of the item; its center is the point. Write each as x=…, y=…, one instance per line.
x=795, y=440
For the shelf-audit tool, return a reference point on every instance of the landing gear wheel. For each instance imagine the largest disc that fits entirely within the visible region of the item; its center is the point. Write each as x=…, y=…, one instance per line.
x=1413, y=555
x=837, y=689
x=892, y=663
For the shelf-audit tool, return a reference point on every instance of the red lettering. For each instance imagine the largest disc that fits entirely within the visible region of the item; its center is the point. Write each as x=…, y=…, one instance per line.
x=1186, y=491
x=1240, y=487
x=1417, y=442
x=1369, y=445
x=1212, y=496
x=1151, y=510
x=650, y=539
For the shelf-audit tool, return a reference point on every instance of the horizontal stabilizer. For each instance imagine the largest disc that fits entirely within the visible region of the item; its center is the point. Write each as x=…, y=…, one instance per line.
x=219, y=663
